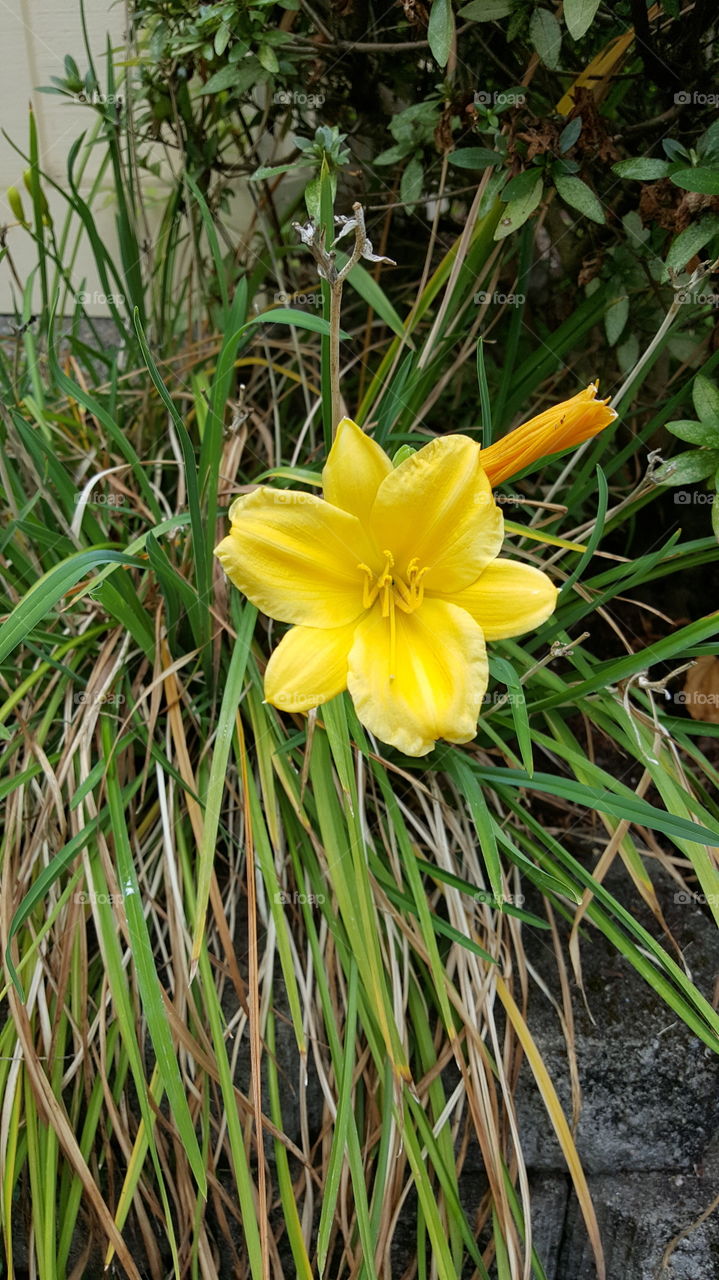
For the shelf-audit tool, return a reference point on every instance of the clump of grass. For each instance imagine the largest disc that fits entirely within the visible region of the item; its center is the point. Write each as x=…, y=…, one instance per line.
x=266, y=982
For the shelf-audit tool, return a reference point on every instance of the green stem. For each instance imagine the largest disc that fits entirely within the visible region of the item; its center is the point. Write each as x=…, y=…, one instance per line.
x=325, y=260
x=335, y=314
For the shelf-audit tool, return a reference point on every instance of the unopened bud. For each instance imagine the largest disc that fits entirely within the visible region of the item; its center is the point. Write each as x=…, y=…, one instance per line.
x=14, y=199
x=44, y=207
x=405, y=451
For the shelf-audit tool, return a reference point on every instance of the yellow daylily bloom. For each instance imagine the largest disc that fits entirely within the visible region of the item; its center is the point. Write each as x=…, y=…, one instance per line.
x=561, y=427
x=393, y=583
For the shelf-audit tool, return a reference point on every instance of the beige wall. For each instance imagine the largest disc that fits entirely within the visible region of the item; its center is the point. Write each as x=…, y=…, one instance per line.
x=36, y=35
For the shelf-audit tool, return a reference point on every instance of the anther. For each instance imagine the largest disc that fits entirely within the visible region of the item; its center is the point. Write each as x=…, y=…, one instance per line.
x=405, y=593
x=370, y=590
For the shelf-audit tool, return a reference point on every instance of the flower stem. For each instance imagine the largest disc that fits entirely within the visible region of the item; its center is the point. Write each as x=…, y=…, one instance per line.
x=335, y=315
x=327, y=268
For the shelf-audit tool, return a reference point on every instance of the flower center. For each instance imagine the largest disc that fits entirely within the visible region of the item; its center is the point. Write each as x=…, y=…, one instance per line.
x=393, y=592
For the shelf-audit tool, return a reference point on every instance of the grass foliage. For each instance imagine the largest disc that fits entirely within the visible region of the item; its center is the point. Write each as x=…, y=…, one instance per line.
x=265, y=982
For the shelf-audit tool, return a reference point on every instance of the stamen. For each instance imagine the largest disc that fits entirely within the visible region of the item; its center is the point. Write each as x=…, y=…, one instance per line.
x=404, y=596
x=418, y=586
x=369, y=592
x=394, y=593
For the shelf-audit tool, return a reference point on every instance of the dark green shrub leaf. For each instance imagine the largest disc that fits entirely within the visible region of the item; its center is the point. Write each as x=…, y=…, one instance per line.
x=689, y=467
x=642, y=169
x=701, y=433
x=546, y=36
x=706, y=398
x=441, y=31
x=579, y=16
x=576, y=193
x=701, y=179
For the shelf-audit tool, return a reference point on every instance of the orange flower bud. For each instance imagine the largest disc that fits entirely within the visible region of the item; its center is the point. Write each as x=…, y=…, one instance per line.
x=562, y=427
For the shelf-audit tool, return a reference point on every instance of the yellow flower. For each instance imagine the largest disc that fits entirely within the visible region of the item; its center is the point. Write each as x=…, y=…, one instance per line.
x=564, y=425
x=392, y=582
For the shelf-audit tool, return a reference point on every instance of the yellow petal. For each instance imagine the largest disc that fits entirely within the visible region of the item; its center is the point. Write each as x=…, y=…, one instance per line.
x=437, y=507
x=296, y=557
x=508, y=599
x=561, y=427
x=354, y=470
x=440, y=676
x=308, y=667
